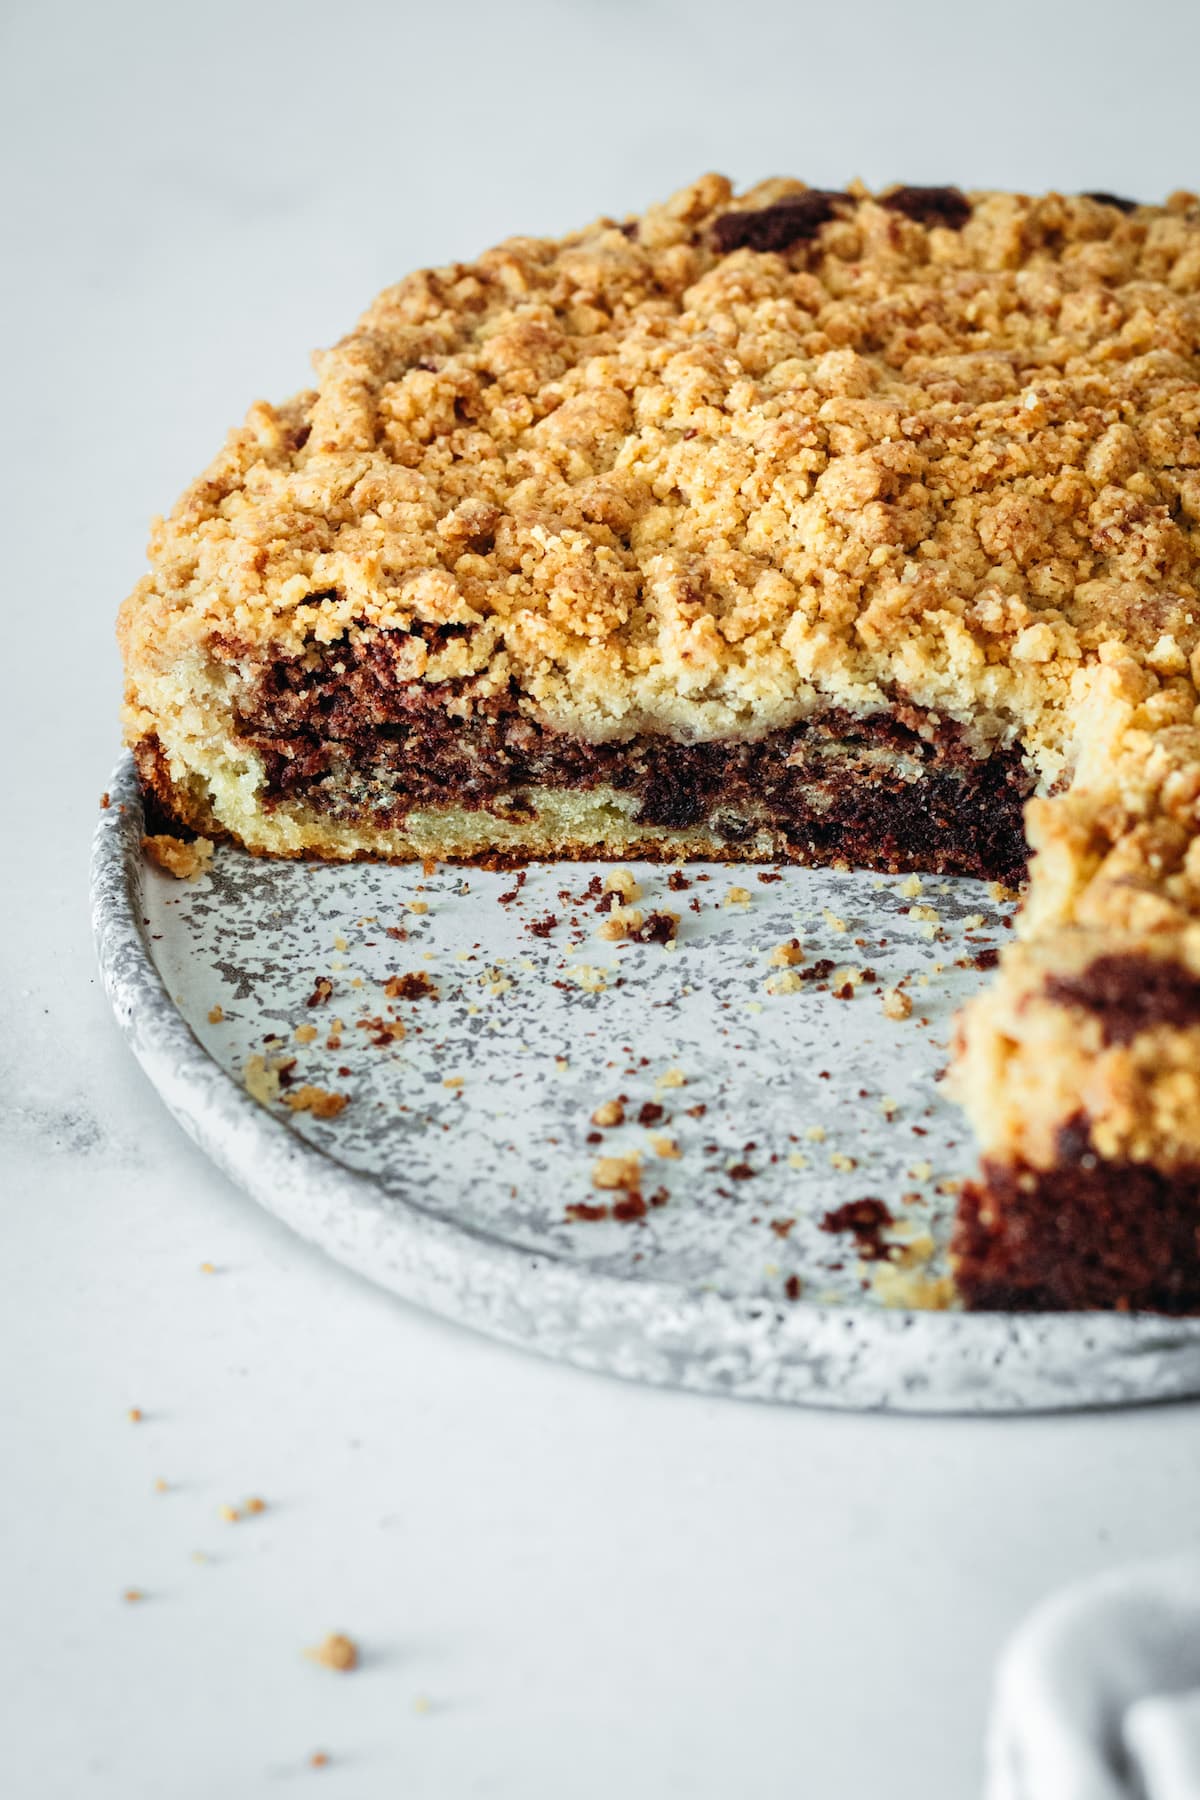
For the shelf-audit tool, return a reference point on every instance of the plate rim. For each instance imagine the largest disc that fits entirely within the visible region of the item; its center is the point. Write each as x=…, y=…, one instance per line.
x=644, y=1329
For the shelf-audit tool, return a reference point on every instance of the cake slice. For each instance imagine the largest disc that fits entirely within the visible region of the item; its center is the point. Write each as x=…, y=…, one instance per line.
x=821, y=526
x=1080, y=1066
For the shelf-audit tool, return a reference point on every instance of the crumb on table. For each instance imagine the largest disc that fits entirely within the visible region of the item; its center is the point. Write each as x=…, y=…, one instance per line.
x=335, y=1651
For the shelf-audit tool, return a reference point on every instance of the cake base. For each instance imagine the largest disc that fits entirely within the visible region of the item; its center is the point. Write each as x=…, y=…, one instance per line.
x=1085, y=1234
x=391, y=771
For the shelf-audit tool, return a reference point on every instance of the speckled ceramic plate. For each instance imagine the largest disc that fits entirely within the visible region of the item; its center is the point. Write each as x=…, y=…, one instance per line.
x=758, y=1102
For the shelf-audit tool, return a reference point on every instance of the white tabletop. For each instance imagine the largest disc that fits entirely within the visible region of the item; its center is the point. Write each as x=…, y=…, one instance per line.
x=596, y=1589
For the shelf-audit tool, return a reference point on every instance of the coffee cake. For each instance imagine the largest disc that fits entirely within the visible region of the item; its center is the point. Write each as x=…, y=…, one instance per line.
x=827, y=526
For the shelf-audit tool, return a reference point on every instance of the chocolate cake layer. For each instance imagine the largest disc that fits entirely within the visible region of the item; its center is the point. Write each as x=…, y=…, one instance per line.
x=1088, y=1233
x=1129, y=994
x=354, y=741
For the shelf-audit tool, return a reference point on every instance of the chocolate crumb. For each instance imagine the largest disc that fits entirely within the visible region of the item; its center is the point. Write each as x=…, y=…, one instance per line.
x=543, y=927
x=930, y=206
x=778, y=227
x=791, y=1287
x=741, y=1172
x=656, y=928
x=321, y=992
x=865, y=1220
x=1117, y=200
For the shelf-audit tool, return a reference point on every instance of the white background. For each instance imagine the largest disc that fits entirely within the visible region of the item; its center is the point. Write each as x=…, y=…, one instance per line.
x=602, y=1591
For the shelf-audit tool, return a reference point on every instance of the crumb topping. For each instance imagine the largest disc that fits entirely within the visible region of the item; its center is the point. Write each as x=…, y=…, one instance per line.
x=179, y=857
x=693, y=473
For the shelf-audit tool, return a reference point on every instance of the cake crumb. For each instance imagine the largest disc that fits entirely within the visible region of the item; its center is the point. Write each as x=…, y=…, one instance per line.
x=335, y=1651
x=796, y=1160
x=623, y=882
x=840, y=1161
x=609, y=1112
x=786, y=956
x=911, y=1289
x=815, y=1134
x=671, y=1078
x=454, y=1081
x=610, y=1172
x=131, y=1596
x=788, y=981
x=910, y=1246
x=230, y=1514
x=832, y=920
x=304, y=1034
x=665, y=1147
x=737, y=896
x=261, y=1080
x=135, y=1415
x=175, y=857
x=216, y=1014
x=255, y=1504
x=590, y=979
x=658, y=927
x=319, y=1759
x=621, y=922
x=896, y=1003
x=414, y=986
x=320, y=1102
x=422, y=1703
x=910, y=887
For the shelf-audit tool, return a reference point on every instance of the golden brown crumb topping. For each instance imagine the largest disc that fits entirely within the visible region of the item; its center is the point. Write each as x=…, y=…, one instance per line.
x=179, y=857
x=944, y=451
